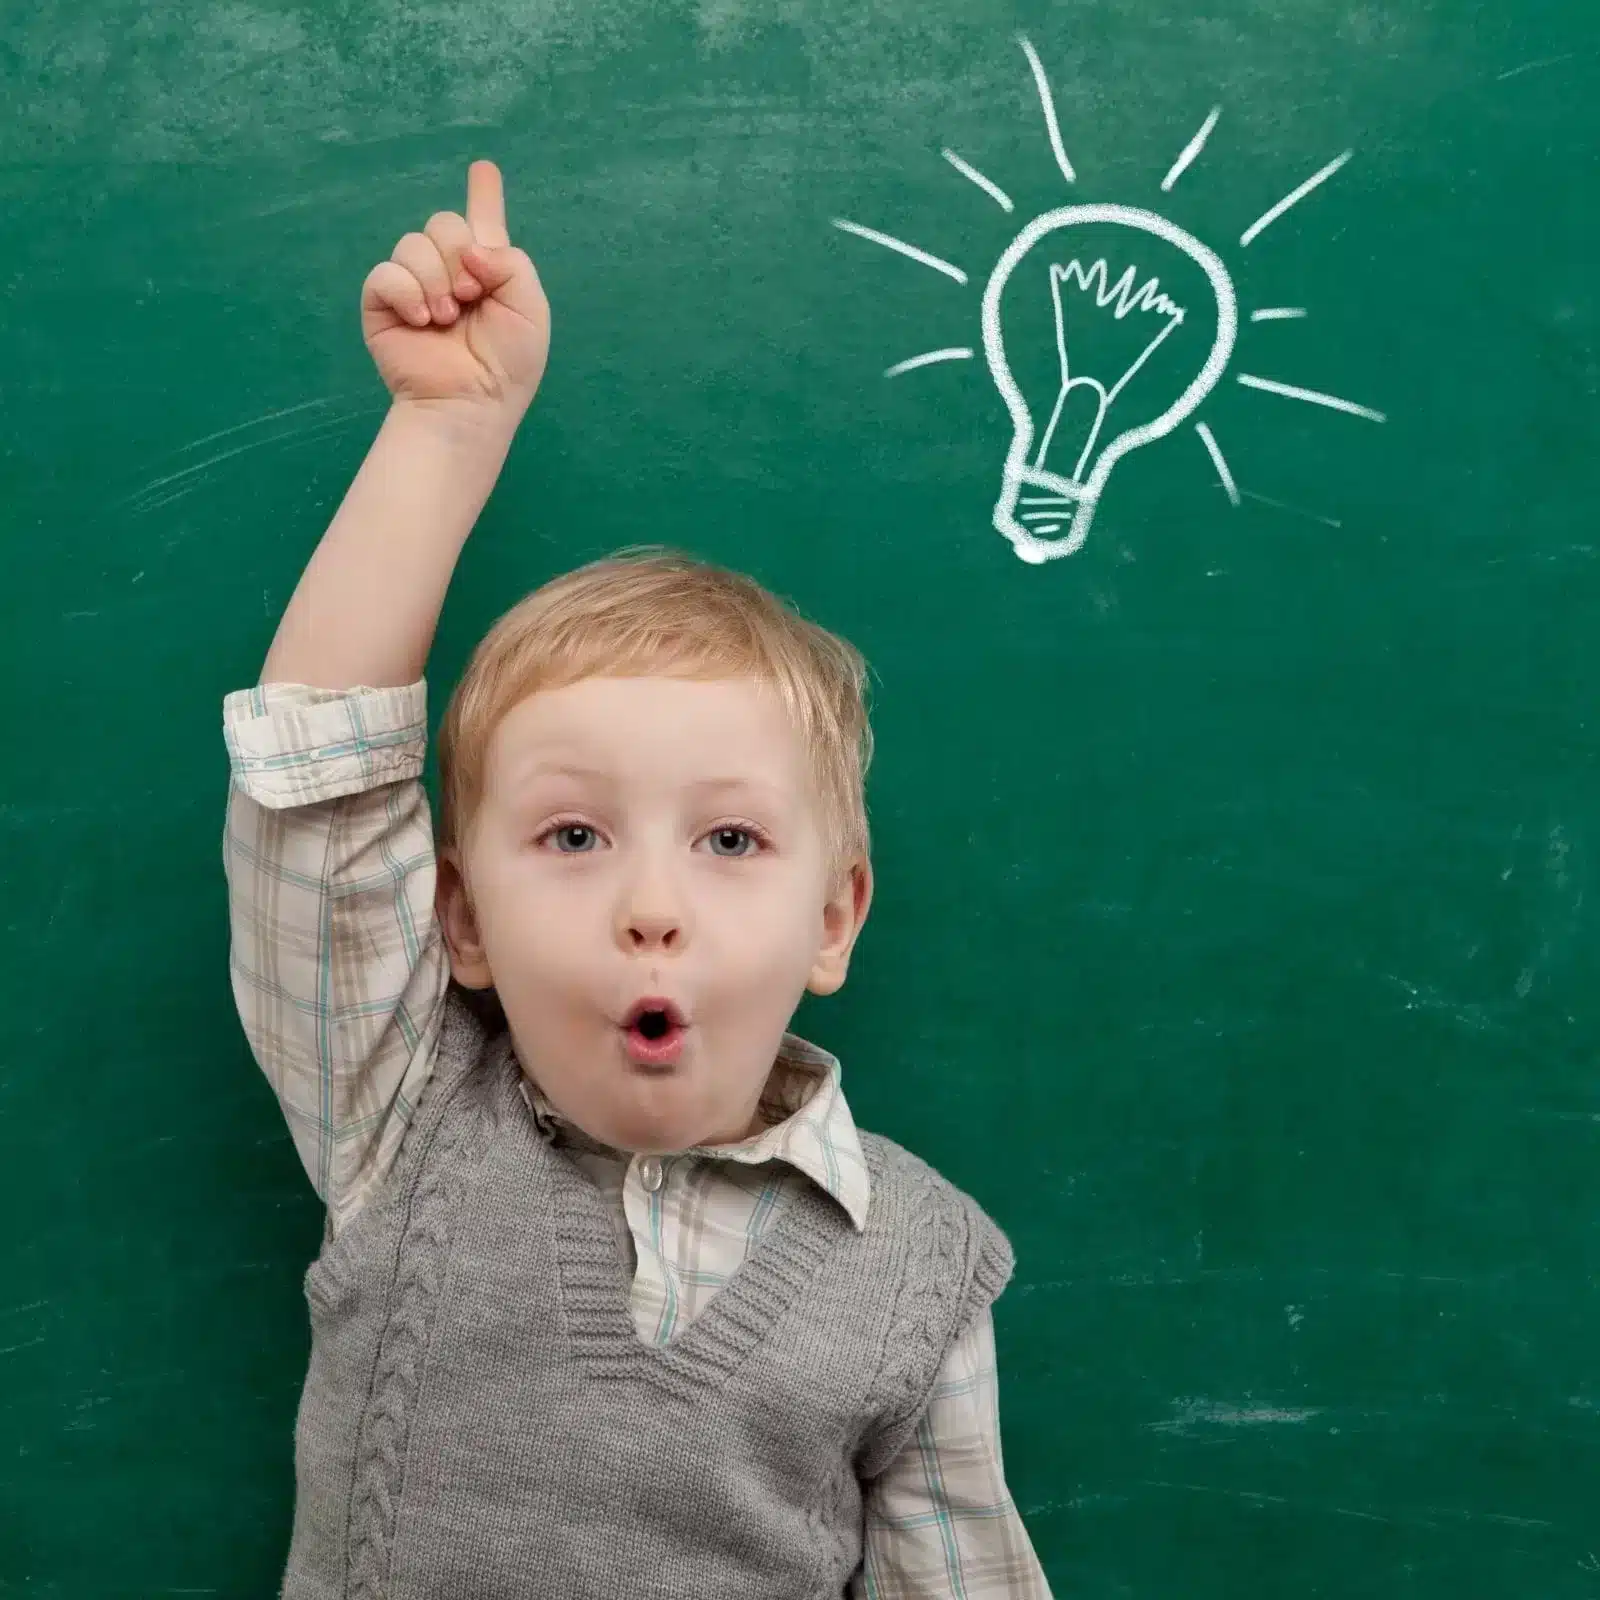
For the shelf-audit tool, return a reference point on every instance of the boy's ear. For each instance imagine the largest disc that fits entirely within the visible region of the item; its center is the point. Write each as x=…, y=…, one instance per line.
x=842, y=917
x=469, y=965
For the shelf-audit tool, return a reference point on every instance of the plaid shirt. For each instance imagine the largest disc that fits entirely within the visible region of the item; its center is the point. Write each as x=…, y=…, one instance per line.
x=339, y=973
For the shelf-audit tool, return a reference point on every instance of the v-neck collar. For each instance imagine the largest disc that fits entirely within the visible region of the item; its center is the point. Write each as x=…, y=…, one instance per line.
x=594, y=1288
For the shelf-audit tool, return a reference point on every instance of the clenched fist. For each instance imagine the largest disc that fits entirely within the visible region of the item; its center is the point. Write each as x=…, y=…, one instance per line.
x=457, y=314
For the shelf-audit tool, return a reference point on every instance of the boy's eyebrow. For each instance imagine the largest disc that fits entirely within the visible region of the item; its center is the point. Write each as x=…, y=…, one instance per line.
x=527, y=772
x=545, y=767
x=539, y=770
x=723, y=785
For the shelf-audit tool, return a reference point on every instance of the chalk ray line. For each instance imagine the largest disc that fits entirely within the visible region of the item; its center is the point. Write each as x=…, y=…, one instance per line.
x=1191, y=151
x=1293, y=198
x=1311, y=396
x=1218, y=460
x=927, y=358
x=889, y=242
x=1052, y=127
x=988, y=185
x=1294, y=511
x=1278, y=314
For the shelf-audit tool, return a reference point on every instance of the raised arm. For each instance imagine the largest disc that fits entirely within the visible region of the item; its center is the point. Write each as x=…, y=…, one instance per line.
x=338, y=969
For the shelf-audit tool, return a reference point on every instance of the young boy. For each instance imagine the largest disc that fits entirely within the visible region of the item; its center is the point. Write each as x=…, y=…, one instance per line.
x=614, y=1299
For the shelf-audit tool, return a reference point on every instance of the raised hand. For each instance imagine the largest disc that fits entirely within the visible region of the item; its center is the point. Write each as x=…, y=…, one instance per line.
x=457, y=313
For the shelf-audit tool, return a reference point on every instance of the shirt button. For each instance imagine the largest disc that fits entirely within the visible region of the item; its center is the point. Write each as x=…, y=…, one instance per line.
x=650, y=1173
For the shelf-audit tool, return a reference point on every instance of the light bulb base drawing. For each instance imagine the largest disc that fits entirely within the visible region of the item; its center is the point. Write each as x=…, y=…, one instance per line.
x=1043, y=514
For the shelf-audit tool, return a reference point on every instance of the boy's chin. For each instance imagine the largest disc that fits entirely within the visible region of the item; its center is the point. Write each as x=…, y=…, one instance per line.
x=668, y=1132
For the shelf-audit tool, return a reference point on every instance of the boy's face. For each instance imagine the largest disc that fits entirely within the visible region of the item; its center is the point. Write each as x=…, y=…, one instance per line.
x=650, y=842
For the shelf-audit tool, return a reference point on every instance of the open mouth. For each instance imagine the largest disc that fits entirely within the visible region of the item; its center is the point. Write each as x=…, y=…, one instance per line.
x=653, y=1031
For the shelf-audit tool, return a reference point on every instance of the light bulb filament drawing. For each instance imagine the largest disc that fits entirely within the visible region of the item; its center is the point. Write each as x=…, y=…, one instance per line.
x=1052, y=482
x=1124, y=297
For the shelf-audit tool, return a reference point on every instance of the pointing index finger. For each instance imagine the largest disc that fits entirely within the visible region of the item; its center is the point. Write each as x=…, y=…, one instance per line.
x=486, y=205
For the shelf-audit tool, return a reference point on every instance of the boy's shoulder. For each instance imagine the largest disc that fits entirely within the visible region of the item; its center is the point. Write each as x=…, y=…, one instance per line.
x=896, y=1163
x=910, y=1193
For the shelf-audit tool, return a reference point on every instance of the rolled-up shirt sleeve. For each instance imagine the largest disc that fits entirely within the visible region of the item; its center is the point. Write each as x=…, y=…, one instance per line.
x=337, y=965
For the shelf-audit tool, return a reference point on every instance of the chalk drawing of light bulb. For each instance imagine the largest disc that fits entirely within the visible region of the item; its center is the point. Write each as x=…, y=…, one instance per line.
x=1067, y=499
x=1053, y=477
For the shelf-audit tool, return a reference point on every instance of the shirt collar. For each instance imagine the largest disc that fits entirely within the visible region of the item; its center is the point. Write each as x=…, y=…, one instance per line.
x=811, y=1128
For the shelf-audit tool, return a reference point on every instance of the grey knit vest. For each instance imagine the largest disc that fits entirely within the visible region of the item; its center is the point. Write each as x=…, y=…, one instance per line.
x=481, y=1421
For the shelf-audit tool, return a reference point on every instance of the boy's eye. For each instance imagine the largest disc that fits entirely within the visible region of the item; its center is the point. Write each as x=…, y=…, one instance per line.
x=731, y=841
x=574, y=838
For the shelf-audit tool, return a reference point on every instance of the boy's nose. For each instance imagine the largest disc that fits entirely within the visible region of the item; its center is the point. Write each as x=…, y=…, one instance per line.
x=653, y=930
x=650, y=915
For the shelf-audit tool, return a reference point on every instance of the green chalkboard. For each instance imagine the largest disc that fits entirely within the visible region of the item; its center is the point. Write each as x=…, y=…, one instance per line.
x=1237, y=918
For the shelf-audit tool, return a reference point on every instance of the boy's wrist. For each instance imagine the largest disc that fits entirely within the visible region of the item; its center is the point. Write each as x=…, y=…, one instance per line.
x=475, y=428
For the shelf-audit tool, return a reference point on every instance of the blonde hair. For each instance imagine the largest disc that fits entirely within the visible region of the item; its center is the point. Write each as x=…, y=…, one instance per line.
x=659, y=613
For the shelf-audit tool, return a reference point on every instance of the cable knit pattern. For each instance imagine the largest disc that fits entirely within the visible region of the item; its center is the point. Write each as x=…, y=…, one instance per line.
x=481, y=1420
x=446, y=1151
x=956, y=1261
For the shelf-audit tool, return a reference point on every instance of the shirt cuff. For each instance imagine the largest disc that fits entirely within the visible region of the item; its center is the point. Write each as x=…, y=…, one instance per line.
x=293, y=745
